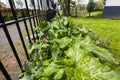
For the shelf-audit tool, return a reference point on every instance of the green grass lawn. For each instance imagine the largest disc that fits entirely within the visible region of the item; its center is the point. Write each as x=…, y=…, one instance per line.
x=105, y=28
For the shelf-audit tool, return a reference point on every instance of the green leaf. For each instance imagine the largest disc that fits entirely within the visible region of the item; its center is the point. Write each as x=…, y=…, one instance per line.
x=63, y=42
x=73, y=55
x=97, y=51
x=59, y=74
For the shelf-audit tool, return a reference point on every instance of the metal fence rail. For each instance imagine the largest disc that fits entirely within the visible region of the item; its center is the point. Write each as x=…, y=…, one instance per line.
x=37, y=16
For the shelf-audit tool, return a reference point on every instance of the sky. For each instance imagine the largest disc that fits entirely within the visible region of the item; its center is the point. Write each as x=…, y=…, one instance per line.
x=3, y=1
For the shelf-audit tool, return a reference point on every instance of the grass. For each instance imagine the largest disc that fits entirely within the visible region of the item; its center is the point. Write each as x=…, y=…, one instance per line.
x=105, y=28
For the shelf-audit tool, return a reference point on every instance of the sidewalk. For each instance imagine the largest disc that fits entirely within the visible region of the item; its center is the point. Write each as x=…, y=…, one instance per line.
x=6, y=54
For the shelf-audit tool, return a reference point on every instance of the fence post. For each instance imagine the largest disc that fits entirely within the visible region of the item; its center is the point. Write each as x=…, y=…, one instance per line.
x=10, y=42
x=4, y=71
x=18, y=28
x=35, y=26
x=39, y=10
x=23, y=15
x=35, y=12
x=30, y=20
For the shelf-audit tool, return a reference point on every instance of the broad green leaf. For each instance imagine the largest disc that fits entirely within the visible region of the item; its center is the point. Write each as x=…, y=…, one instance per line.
x=66, y=52
x=59, y=74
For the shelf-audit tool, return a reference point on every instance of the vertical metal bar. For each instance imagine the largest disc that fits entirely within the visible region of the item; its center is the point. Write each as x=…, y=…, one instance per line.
x=33, y=19
x=4, y=71
x=30, y=20
x=13, y=4
x=41, y=4
x=35, y=12
x=41, y=8
x=45, y=11
x=26, y=26
x=48, y=5
x=12, y=46
x=39, y=11
x=35, y=25
x=11, y=42
x=18, y=28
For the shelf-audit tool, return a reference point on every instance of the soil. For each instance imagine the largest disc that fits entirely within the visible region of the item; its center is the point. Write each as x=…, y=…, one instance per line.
x=6, y=54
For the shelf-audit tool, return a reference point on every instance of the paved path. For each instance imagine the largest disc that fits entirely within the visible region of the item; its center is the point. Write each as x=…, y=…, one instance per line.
x=6, y=54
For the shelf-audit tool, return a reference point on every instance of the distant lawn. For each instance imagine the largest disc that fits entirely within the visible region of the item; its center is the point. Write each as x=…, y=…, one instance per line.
x=105, y=28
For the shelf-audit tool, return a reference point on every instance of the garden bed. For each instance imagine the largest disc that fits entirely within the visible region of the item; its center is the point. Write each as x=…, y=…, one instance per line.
x=66, y=51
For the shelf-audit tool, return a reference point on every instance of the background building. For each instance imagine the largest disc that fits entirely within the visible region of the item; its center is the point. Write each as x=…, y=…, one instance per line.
x=111, y=9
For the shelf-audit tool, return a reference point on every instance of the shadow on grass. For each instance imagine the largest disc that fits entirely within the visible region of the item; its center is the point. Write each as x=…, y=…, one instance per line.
x=96, y=15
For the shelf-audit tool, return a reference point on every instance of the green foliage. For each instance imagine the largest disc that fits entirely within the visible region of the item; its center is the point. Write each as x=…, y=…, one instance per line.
x=99, y=5
x=90, y=6
x=66, y=52
x=81, y=6
x=116, y=18
x=8, y=16
x=106, y=29
x=20, y=3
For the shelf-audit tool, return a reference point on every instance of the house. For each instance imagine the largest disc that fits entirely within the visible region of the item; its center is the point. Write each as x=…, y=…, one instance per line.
x=111, y=8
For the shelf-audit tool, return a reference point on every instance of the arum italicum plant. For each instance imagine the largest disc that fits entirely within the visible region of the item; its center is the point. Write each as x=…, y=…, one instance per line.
x=66, y=52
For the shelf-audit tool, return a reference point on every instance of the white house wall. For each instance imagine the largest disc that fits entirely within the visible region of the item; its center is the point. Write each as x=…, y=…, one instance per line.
x=112, y=3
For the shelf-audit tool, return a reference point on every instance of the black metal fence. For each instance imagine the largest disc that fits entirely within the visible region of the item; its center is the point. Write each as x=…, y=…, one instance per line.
x=38, y=14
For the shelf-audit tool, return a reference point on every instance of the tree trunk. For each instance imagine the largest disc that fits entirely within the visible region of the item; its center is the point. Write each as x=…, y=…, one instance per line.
x=89, y=14
x=62, y=3
x=68, y=7
x=65, y=7
x=76, y=8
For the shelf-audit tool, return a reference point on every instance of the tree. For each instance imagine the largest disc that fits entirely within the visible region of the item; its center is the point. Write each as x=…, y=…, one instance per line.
x=65, y=4
x=76, y=12
x=75, y=5
x=90, y=6
x=77, y=2
x=32, y=2
x=99, y=5
x=81, y=6
x=20, y=3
